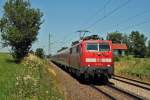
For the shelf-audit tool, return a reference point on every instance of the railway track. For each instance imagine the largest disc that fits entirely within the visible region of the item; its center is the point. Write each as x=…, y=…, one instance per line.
x=116, y=93
x=137, y=87
x=132, y=82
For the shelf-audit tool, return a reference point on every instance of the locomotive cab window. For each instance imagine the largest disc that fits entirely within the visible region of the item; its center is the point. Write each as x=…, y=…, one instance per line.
x=104, y=47
x=92, y=46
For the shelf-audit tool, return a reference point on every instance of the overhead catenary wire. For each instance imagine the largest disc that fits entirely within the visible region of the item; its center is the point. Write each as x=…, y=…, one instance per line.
x=105, y=16
x=109, y=14
x=133, y=17
x=123, y=21
x=98, y=11
x=108, y=2
x=60, y=43
x=135, y=25
x=130, y=19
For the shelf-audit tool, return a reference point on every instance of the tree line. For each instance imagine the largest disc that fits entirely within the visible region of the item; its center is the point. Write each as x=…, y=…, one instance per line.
x=138, y=44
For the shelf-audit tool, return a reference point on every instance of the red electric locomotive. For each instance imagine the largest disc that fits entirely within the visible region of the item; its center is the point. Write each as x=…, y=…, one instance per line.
x=89, y=57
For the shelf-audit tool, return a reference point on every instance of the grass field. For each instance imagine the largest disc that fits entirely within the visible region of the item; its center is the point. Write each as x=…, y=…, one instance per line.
x=8, y=73
x=134, y=67
x=29, y=80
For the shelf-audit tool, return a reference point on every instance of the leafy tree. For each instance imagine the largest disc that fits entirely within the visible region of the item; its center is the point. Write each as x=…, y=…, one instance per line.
x=125, y=39
x=137, y=44
x=127, y=42
x=148, y=49
x=48, y=56
x=19, y=26
x=116, y=37
x=31, y=51
x=40, y=52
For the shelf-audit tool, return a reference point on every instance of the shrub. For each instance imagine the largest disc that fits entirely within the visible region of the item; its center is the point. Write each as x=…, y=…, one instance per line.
x=40, y=52
x=116, y=59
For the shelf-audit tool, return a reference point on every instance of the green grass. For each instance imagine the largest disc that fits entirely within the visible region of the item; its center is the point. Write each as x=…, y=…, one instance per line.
x=136, y=67
x=28, y=80
x=8, y=72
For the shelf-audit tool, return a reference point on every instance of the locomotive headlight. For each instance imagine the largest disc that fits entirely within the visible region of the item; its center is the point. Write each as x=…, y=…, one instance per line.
x=106, y=60
x=90, y=59
x=108, y=65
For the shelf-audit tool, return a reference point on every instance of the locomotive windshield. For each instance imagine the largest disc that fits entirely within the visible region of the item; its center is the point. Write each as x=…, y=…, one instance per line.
x=92, y=46
x=104, y=47
x=98, y=47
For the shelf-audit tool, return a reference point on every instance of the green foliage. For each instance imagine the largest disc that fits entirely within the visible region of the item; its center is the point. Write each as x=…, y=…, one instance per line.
x=116, y=59
x=135, y=41
x=19, y=26
x=148, y=49
x=40, y=52
x=116, y=37
x=35, y=83
x=29, y=80
x=137, y=44
x=126, y=40
x=48, y=56
x=137, y=67
x=8, y=73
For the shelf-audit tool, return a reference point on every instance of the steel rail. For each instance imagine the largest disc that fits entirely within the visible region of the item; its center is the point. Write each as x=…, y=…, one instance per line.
x=105, y=93
x=137, y=97
x=132, y=80
x=126, y=92
x=137, y=85
x=132, y=95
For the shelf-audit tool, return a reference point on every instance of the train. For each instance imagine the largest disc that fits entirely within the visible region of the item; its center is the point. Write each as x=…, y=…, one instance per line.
x=89, y=57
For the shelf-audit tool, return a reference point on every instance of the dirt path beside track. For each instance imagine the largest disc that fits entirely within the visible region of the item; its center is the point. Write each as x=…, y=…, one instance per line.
x=73, y=89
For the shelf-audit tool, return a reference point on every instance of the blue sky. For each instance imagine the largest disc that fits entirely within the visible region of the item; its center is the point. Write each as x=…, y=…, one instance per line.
x=62, y=18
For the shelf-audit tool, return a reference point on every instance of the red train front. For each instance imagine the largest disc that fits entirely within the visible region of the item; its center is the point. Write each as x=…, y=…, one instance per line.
x=97, y=57
x=88, y=58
